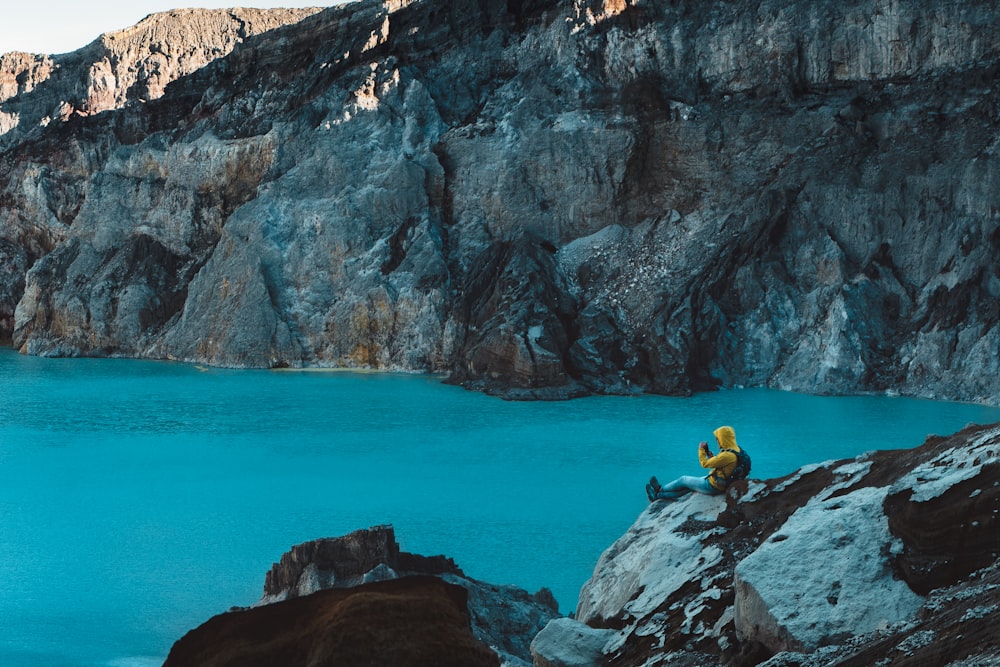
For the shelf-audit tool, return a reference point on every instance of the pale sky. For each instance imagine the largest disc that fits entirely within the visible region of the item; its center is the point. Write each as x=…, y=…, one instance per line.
x=59, y=26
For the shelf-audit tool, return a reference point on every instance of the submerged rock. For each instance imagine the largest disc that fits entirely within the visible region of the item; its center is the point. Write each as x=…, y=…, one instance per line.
x=833, y=564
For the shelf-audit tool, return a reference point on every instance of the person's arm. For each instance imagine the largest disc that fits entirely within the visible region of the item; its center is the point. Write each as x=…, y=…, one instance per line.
x=708, y=461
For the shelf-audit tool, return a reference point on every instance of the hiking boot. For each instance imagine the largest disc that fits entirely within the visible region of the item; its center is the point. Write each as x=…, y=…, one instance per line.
x=654, y=484
x=651, y=493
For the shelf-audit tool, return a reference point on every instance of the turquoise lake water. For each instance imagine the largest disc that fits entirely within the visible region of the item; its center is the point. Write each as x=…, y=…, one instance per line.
x=138, y=499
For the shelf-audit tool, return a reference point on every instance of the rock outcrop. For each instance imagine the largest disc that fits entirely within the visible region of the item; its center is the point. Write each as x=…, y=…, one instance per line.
x=891, y=557
x=502, y=619
x=357, y=558
x=408, y=622
x=541, y=198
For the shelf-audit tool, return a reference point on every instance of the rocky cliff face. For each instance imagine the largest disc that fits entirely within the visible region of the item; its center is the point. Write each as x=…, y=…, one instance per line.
x=543, y=198
x=890, y=558
x=44, y=192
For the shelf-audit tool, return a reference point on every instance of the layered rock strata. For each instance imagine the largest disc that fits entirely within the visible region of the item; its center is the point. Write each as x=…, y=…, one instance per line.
x=541, y=198
x=890, y=557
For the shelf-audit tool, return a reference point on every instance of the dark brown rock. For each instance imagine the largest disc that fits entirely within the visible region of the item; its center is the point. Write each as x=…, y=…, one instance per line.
x=414, y=621
x=949, y=537
x=506, y=618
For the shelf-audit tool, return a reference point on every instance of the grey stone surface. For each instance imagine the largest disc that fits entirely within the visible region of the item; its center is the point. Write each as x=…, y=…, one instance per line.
x=565, y=642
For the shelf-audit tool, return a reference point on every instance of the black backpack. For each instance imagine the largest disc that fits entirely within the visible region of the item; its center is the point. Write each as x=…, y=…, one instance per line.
x=742, y=468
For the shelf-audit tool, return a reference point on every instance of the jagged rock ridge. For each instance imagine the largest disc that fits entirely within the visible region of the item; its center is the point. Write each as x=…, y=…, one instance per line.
x=122, y=67
x=542, y=198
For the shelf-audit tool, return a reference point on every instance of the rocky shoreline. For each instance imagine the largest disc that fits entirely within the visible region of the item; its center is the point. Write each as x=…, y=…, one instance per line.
x=888, y=558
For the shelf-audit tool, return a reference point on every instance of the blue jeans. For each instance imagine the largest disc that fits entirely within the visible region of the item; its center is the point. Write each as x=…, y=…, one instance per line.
x=686, y=484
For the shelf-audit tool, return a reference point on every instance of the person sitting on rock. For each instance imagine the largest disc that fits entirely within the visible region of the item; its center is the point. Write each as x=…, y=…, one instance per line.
x=723, y=465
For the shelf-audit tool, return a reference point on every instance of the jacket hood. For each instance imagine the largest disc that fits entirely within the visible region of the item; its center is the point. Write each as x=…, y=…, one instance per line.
x=726, y=437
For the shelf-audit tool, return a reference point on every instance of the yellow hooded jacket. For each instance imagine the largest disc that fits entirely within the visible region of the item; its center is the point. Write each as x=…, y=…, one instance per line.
x=723, y=463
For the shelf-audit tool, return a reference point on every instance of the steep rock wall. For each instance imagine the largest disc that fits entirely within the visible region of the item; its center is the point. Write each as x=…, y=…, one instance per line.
x=39, y=93
x=542, y=198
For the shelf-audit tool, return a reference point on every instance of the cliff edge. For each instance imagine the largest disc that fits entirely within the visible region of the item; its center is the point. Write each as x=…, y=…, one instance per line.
x=889, y=558
x=123, y=67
